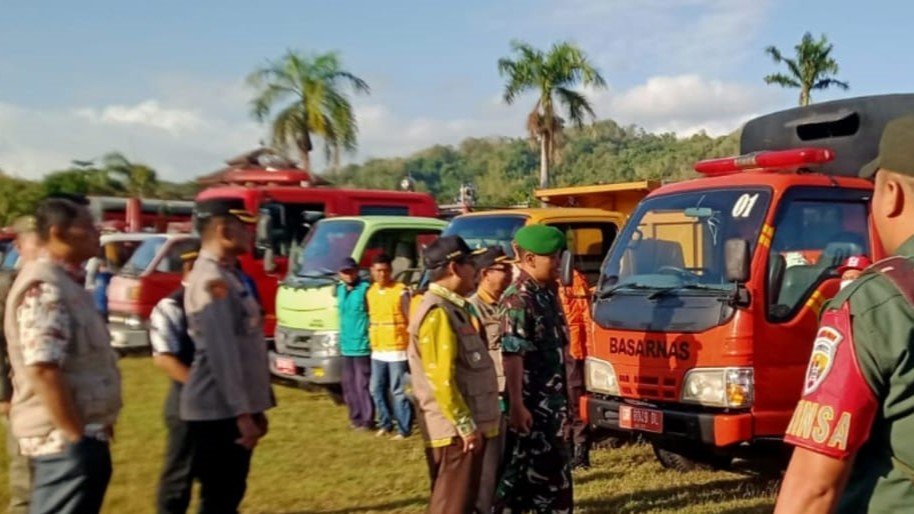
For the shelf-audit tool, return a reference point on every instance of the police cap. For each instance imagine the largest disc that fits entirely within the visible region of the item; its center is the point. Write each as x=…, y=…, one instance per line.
x=447, y=249
x=208, y=209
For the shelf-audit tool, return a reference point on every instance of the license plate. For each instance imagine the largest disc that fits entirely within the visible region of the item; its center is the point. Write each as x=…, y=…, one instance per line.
x=636, y=418
x=285, y=366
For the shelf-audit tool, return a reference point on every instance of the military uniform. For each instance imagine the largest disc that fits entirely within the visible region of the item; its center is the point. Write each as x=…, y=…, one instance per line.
x=229, y=377
x=537, y=468
x=859, y=386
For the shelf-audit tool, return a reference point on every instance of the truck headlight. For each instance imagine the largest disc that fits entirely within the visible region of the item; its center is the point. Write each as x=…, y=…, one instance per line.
x=600, y=377
x=328, y=343
x=719, y=387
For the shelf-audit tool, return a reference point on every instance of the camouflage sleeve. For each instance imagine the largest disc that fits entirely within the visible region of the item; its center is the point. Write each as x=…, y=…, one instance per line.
x=515, y=330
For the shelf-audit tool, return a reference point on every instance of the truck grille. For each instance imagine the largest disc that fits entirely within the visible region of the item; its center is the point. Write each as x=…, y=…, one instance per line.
x=648, y=386
x=298, y=344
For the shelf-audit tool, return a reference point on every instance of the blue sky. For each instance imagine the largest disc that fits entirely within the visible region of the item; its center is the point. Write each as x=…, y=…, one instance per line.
x=163, y=81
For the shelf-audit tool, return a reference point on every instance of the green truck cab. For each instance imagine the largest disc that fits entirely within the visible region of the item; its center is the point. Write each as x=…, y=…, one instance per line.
x=306, y=344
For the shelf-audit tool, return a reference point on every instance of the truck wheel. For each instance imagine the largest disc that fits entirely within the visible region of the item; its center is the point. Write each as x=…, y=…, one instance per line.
x=690, y=461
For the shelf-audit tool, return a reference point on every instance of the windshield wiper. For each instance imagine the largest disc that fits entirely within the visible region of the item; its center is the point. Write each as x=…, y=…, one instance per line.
x=667, y=290
x=606, y=293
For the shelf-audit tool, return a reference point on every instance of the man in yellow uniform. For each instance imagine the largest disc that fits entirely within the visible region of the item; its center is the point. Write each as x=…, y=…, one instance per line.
x=388, y=307
x=453, y=378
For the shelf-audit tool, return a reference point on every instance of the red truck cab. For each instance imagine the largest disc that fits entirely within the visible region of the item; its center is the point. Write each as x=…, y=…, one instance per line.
x=708, y=301
x=151, y=273
x=287, y=206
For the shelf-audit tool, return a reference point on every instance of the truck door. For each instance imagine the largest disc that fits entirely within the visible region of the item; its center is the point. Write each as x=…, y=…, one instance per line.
x=815, y=230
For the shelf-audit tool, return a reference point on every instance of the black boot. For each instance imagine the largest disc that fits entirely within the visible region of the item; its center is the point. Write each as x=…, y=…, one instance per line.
x=581, y=458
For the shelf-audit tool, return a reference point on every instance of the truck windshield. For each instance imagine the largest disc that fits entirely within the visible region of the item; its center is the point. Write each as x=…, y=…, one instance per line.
x=674, y=244
x=143, y=256
x=326, y=246
x=486, y=230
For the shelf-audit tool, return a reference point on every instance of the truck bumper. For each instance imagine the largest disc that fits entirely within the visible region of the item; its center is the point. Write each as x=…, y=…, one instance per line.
x=126, y=338
x=323, y=371
x=707, y=428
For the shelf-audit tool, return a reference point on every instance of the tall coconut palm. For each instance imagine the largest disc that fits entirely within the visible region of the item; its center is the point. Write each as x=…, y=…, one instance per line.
x=309, y=93
x=812, y=68
x=552, y=76
x=139, y=179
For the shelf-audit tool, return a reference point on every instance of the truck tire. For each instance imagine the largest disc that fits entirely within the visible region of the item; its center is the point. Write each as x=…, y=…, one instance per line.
x=685, y=461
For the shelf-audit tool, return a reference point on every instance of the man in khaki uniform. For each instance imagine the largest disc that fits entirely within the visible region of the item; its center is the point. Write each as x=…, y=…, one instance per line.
x=453, y=378
x=20, y=470
x=494, y=269
x=228, y=389
x=66, y=386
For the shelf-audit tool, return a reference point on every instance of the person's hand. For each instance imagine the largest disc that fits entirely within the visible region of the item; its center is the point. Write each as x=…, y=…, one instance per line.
x=472, y=442
x=520, y=420
x=250, y=433
x=4, y=408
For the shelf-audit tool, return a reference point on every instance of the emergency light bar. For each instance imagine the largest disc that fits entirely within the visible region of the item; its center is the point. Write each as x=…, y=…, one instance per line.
x=771, y=160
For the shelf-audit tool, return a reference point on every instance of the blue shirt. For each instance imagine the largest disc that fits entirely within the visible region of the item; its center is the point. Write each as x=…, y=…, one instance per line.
x=353, y=319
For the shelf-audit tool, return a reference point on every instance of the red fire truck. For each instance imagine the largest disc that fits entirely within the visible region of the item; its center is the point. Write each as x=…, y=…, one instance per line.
x=707, y=305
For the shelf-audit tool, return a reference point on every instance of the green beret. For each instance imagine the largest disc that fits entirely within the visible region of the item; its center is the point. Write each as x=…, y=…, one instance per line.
x=540, y=239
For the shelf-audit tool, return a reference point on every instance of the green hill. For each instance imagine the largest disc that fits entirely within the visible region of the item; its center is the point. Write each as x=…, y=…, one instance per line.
x=505, y=170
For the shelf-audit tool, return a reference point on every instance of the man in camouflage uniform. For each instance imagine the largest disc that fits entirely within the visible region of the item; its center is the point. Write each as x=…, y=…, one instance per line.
x=537, y=468
x=852, y=427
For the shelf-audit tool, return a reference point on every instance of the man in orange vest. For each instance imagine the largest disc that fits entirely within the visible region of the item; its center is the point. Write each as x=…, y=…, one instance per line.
x=388, y=308
x=575, y=301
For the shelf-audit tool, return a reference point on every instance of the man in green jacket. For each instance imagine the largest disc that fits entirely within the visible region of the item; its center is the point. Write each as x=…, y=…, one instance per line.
x=354, y=347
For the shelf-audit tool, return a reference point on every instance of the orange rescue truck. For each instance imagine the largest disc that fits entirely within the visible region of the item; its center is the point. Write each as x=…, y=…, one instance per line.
x=708, y=301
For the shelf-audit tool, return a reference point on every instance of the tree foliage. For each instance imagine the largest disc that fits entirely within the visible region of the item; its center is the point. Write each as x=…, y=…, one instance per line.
x=503, y=169
x=813, y=67
x=308, y=95
x=551, y=75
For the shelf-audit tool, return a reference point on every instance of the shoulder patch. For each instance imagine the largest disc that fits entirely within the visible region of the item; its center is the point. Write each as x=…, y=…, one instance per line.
x=822, y=359
x=218, y=289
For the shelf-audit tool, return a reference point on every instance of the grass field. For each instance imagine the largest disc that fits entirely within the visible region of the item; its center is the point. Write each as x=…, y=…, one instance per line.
x=311, y=463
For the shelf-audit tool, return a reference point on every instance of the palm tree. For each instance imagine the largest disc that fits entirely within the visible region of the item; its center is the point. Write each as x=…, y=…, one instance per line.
x=139, y=179
x=551, y=75
x=812, y=68
x=309, y=93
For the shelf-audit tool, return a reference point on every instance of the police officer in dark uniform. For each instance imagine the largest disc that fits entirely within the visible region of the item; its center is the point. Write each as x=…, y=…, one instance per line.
x=854, y=423
x=537, y=468
x=228, y=390
x=173, y=353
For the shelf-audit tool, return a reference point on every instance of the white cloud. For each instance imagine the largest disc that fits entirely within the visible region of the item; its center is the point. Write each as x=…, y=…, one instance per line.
x=36, y=141
x=686, y=104
x=146, y=113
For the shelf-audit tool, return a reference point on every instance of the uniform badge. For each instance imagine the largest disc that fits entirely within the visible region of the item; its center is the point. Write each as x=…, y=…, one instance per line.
x=822, y=359
x=218, y=289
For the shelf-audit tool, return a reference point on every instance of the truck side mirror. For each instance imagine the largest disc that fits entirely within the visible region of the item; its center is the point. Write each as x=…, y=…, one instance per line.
x=566, y=270
x=736, y=260
x=269, y=260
